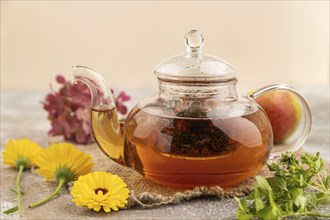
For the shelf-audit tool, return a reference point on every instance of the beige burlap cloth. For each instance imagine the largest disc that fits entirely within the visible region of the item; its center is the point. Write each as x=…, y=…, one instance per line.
x=147, y=194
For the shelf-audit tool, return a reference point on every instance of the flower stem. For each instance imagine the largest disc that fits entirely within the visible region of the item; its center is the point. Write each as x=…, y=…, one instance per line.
x=59, y=187
x=18, y=189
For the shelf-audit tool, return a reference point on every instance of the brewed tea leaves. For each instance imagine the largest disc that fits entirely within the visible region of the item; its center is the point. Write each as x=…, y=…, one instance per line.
x=196, y=136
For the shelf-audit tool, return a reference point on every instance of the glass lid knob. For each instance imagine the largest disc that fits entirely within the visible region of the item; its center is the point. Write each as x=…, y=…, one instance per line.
x=194, y=41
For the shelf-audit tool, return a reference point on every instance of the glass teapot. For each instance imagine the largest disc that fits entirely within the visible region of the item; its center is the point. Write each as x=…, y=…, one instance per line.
x=197, y=131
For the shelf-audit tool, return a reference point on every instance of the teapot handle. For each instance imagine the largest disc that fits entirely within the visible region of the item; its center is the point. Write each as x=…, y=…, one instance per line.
x=307, y=115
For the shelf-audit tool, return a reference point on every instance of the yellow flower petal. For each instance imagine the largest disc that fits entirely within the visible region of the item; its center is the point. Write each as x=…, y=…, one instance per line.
x=97, y=207
x=63, y=156
x=100, y=190
x=106, y=209
x=21, y=148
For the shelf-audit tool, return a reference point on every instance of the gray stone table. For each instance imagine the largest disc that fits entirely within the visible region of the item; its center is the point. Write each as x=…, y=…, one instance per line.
x=22, y=116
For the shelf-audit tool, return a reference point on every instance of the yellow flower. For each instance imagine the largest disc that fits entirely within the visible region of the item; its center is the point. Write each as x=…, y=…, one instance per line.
x=21, y=152
x=63, y=160
x=100, y=190
x=64, y=163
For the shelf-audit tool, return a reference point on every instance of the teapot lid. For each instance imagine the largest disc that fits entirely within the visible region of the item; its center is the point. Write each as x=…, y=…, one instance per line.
x=194, y=65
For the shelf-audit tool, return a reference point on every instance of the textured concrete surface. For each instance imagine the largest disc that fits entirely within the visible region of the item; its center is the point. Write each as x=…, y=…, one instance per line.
x=22, y=116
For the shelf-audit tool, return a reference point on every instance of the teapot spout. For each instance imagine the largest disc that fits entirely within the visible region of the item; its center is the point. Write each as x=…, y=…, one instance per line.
x=107, y=130
x=101, y=94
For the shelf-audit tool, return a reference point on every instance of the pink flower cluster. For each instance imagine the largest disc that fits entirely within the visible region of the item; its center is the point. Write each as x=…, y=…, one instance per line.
x=69, y=111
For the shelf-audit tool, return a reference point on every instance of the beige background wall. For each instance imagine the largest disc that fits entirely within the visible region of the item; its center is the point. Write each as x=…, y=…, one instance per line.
x=266, y=42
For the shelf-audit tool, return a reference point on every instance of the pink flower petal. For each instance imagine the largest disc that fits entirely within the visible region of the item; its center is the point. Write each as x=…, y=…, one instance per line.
x=60, y=79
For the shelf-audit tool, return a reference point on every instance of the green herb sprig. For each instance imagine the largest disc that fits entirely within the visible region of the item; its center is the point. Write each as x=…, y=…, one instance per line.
x=296, y=190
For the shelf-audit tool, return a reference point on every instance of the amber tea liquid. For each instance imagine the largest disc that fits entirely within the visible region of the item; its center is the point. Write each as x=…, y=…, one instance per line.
x=189, y=152
x=108, y=132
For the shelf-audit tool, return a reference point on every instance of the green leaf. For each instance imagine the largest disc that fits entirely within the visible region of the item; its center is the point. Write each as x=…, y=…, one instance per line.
x=263, y=185
x=318, y=163
x=300, y=202
x=259, y=204
x=242, y=216
x=311, y=201
x=296, y=192
x=14, y=209
x=325, y=181
x=277, y=183
x=269, y=212
x=242, y=205
x=252, y=195
x=323, y=198
x=301, y=181
x=289, y=206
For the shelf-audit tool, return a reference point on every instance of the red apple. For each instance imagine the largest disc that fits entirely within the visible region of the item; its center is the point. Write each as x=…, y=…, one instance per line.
x=284, y=112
